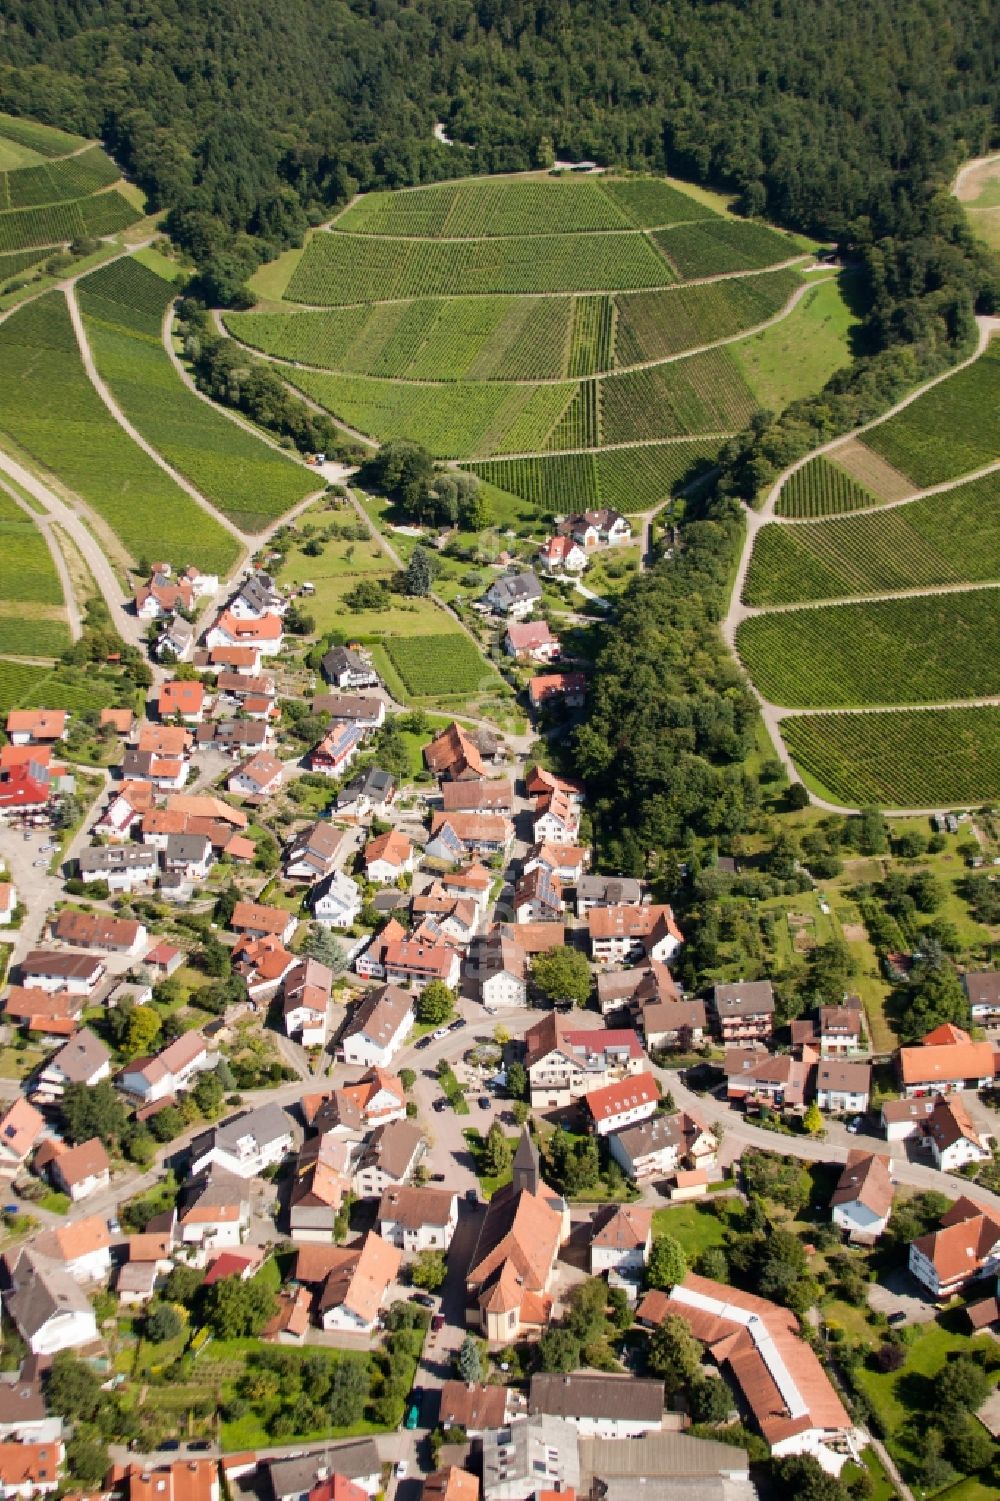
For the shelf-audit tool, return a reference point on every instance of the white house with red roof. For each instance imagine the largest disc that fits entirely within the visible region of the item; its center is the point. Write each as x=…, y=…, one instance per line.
x=621, y=1104
x=562, y=555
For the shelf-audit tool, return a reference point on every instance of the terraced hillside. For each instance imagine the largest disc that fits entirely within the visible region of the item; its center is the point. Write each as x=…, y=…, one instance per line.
x=865, y=590
x=582, y=328
x=56, y=188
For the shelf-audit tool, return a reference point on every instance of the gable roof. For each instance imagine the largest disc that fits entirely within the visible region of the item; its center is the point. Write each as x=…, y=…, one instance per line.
x=380, y=1014
x=624, y=1094
x=88, y=1160
x=865, y=1180
x=359, y=1285
x=621, y=1227
x=20, y=1126
x=932, y=1063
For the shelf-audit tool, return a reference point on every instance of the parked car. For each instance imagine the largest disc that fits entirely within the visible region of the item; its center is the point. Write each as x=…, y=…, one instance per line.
x=170, y=1444
x=471, y=1196
x=437, y=1177
x=440, y=1033
x=12, y=1209
x=485, y=1102
x=200, y=1445
x=457, y=1026
x=401, y=1469
x=412, y=1416
x=855, y=1125
x=424, y=1299
x=423, y=1042
x=437, y=1322
x=440, y=1105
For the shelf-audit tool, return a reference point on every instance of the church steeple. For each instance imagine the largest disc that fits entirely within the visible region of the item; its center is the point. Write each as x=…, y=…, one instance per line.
x=527, y=1165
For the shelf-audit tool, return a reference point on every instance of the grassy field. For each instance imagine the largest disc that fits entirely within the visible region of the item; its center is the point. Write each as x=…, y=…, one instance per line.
x=901, y=651
x=820, y=488
x=922, y=543
x=248, y=481
x=50, y=409
x=911, y=759
x=696, y=1226
x=802, y=351
x=35, y=140
x=980, y=199
x=949, y=431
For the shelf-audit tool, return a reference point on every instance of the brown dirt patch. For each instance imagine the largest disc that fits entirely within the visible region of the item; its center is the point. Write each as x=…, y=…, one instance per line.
x=871, y=470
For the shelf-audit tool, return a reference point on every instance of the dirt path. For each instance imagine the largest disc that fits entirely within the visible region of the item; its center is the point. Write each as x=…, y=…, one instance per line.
x=867, y=599
x=772, y=714
x=548, y=380
x=892, y=505
x=961, y=188
x=44, y=525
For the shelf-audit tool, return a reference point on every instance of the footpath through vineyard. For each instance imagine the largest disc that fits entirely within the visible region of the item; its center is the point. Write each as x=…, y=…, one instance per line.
x=739, y=611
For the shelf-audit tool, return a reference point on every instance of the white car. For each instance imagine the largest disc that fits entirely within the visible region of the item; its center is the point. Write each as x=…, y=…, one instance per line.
x=441, y=1032
x=401, y=1469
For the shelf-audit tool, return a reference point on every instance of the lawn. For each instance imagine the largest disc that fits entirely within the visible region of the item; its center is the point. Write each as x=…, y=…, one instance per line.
x=476, y=1143
x=697, y=1226
x=801, y=352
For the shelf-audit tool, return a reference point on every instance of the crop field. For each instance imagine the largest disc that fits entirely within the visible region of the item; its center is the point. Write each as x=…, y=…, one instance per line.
x=24, y=685
x=651, y=325
x=712, y=247
x=435, y=665
x=100, y=214
x=820, y=488
x=20, y=260
x=704, y=393
x=32, y=631
x=453, y=421
x=629, y=479
x=462, y=338
x=650, y=202
x=919, y=650
x=592, y=338
x=49, y=408
x=490, y=208
x=17, y=680
x=949, y=538
x=32, y=607
x=46, y=140
x=57, y=181
x=580, y=424
x=949, y=431
x=251, y=483
x=913, y=759
x=338, y=268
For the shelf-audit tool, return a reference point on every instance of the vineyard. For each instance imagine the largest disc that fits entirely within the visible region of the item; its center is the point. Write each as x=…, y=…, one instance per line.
x=949, y=431
x=46, y=140
x=651, y=203
x=819, y=488
x=913, y=546
x=913, y=759
x=491, y=209
x=924, y=649
x=592, y=339
x=55, y=224
x=713, y=247
x=49, y=408
x=57, y=181
x=26, y=686
x=20, y=260
x=450, y=420
x=702, y=394
x=338, y=268
x=251, y=483
x=27, y=572
x=652, y=325
x=432, y=666
x=628, y=479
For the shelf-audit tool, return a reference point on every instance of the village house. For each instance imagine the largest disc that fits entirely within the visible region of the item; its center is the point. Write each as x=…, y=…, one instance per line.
x=567, y=861
x=476, y=1408
x=418, y=1219
x=214, y=1210
x=412, y=962
x=308, y=1477
x=459, y=836
x=500, y=967
x=621, y=1239
x=514, y=595
x=494, y=795
x=258, y=777
x=48, y=1308
x=370, y=963
x=159, y=598
x=744, y=1012
x=516, y=1457
x=615, y=1106
x=52, y=1014
x=378, y=1027
x=263, y=963
x=946, y=1060
x=79, y=1171
x=621, y=934
x=320, y=1181
x=607, y=891
x=245, y=1144
x=256, y=920
x=189, y=857
x=566, y=688
x=561, y=554
x=658, y=1145
x=167, y=773
x=388, y=1158
x=182, y=699
x=373, y=1100
x=862, y=1200
x=172, y=1070
x=593, y=529
x=364, y=708
x=184, y=1480
x=239, y=738
x=952, y=1138
x=531, y=641
x=306, y=1003
x=346, y=668
x=8, y=903
x=313, y=852
x=26, y=789
x=338, y=748
x=511, y=1270
x=126, y=807
x=370, y=794
x=265, y=633
x=357, y=1286
x=538, y=897
x=244, y=660
x=901, y=1119
x=598, y=1405
x=843, y=1088
x=36, y=726
x=472, y=882
x=124, y=867
x=336, y=900
x=257, y=596
x=564, y=1063
x=82, y=1248
x=450, y=1484
x=840, y=1029
x=244, y=689
x=20, y=1127
x=673, y=1024
x=388, y=857
x=83, y=1060
x=96, y=930
x=754, y=1077
x=983, y=989
x=556, y=819
x=175, y=641
x=792, y=1399
x=24, y=1414
x=965, y=1249
x=453, y=755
